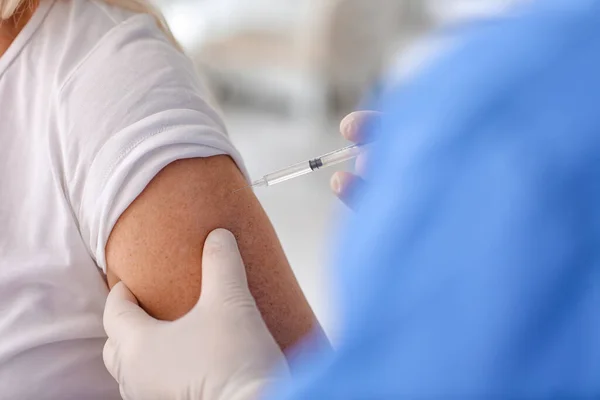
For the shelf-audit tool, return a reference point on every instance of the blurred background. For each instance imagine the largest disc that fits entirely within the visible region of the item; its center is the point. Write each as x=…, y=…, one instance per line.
x=284, y=73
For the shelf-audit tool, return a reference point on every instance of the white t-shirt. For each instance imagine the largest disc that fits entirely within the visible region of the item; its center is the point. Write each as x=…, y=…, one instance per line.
x=94, y=102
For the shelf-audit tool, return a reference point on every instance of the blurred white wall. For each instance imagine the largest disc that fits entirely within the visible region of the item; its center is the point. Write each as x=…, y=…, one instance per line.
x=195, y=21
x=453, y=11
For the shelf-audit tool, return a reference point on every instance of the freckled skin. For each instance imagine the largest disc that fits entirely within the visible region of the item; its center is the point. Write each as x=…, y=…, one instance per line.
x=156, y=246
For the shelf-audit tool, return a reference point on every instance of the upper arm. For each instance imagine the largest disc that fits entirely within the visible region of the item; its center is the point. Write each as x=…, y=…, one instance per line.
x=156, y=246
x=144, y=173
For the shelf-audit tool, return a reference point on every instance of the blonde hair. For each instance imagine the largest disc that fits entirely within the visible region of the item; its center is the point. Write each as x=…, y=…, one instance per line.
x=8, y=9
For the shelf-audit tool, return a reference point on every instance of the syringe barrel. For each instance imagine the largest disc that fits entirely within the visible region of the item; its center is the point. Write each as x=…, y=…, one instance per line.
x=339, y=156
x=306, y=167
x=288, y=173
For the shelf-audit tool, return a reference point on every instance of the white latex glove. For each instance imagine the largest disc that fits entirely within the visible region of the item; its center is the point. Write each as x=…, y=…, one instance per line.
x=221, y=350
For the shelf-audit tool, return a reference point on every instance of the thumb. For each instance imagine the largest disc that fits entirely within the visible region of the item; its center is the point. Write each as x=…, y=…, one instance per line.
x=223, y=270
x=123, y=315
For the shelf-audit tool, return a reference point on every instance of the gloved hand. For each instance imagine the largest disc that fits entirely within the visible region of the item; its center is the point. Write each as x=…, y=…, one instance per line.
x=221, y=350
x=355, y=127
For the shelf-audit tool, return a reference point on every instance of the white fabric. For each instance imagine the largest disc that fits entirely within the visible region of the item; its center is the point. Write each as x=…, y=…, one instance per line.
x=221, y=350
x=94, y=101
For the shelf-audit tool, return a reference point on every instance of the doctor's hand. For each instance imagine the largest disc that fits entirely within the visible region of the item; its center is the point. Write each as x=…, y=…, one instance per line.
x=355, y=127
x=221, y=350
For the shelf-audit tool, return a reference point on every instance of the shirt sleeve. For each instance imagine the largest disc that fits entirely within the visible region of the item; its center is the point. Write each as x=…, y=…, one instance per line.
x=133, y=106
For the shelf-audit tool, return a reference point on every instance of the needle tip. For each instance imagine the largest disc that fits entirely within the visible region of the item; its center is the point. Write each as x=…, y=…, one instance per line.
x=258, y=183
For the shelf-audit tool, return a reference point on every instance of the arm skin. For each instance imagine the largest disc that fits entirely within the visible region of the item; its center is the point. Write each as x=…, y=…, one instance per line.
x=156, y=246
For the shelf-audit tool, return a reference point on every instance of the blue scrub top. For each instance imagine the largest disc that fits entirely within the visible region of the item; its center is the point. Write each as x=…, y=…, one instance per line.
x=472, y=267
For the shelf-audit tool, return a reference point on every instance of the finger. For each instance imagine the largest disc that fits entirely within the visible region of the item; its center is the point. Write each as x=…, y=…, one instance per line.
x=123, y=393
x=358, y=126
x=222, y=266
x=123, y=315
x=109, y=355
x=347, y=187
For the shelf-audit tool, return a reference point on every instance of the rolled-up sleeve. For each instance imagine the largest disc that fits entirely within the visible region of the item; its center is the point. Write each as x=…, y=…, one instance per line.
x=131, y=108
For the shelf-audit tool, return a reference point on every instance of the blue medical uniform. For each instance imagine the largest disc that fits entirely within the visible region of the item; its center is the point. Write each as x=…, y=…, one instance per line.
x=471, y=269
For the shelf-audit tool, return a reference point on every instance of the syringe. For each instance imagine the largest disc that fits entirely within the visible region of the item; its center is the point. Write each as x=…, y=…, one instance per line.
x=306, y=167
